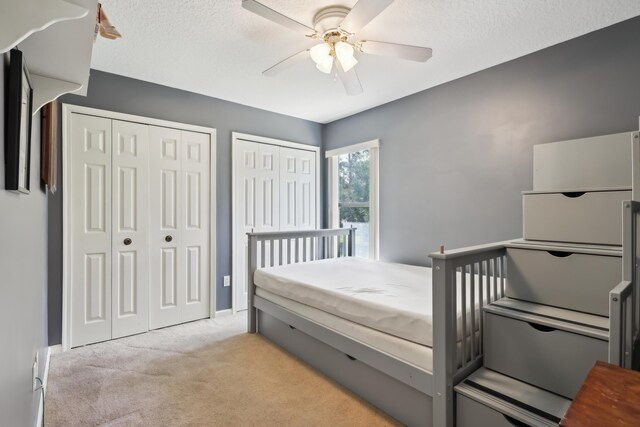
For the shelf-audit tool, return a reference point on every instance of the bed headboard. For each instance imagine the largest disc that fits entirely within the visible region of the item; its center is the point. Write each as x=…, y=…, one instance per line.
x=289, y=247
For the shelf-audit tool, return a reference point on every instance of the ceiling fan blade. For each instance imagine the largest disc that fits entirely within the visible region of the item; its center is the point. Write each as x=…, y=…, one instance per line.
x=350, y=80
x=362, y=13
x=286, y=63
x=277, y=17
x=412, y=53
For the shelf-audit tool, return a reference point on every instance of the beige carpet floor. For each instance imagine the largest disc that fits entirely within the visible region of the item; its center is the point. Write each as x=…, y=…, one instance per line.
x=205, y=373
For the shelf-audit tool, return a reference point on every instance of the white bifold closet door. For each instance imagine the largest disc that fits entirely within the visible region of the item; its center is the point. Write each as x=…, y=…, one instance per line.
x=108, y=279
x=130, y=239
x=257, y=203
x=275, y=190
x=179, y=226
x=297, y=189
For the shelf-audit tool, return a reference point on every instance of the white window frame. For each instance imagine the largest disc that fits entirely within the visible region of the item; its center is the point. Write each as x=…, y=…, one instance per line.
x=334, y=214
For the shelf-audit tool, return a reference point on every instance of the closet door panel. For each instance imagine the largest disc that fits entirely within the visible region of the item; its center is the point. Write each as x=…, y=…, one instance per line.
x=165, y=224
x=289, y=189
x=195, y=230
x=130, y=268
x=256, y=172
x=268, y=189
x=297, y=189
x=307, y=190
x=268, y=194
x=245, y=172
x=90, y=234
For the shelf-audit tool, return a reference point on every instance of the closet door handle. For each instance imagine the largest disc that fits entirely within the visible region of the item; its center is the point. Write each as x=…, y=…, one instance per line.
x=168, y=239
x=127, y=241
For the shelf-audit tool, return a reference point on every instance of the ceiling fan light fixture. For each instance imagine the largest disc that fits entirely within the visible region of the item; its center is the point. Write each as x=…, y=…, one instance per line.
x=320, y=52
x=326, y=64
x=344, y=52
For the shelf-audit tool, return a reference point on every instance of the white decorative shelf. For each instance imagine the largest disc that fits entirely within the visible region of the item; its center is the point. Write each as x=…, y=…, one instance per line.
x=46, y=89
x=19, y=19
x=56, y=38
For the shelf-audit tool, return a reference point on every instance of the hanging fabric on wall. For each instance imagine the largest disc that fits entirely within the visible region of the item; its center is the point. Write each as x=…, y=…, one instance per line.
x=49, y=146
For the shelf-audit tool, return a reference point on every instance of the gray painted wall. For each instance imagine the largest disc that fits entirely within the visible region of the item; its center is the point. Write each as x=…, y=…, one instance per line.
x=23, y=283
x=125, y=95
x=454, y=158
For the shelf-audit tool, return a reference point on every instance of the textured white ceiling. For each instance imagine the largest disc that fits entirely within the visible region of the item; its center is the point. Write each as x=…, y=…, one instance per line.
x=219, y=49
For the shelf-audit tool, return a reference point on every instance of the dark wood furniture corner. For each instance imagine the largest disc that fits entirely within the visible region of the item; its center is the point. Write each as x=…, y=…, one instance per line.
x=610, y=396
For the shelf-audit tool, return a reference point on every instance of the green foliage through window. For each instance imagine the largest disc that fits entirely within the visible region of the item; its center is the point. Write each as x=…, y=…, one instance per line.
x=353, y=186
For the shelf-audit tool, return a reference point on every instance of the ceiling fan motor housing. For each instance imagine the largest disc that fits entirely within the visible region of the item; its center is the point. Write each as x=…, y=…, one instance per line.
x=334, y=30
x=329, y=18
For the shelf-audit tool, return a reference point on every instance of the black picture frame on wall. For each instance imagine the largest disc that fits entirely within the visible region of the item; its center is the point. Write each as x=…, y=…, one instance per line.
x=19, y=104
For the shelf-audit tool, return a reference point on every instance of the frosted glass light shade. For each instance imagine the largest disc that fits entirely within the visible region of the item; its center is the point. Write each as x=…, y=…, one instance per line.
x=320, y=52
x=344, y=52
x=326, y=65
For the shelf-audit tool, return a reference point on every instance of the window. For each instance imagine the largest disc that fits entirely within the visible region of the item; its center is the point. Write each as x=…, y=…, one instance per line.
x=354, y=194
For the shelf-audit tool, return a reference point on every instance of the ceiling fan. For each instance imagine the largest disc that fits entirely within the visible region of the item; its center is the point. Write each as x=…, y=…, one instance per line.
x=335, y=27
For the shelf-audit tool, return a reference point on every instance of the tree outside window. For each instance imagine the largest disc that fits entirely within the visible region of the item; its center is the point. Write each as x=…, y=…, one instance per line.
x=353, y=196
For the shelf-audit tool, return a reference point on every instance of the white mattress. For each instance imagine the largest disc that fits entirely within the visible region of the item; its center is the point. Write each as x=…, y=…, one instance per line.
x=391, y=298
x=388, y=297
x=407, y=351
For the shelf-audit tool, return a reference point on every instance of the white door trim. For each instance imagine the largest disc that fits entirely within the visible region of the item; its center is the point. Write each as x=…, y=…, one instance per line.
x=67, y=111
x=279, y=142
x=374, y=143
x=237, y=136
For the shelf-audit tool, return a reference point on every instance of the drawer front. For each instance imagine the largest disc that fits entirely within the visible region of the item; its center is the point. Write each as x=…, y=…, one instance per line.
x=597, y=163
x=552, y=359
x=470, y=413
x=574, y=281
x=593, y=218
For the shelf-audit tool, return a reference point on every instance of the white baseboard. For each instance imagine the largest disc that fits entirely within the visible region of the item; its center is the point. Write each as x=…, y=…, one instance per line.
x=45, y=376
x=222, y=313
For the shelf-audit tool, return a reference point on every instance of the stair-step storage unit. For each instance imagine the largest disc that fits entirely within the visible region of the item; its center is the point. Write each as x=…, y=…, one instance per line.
x=553, y=351
x=592, y=217
x=540, y=340
x=572, y=277
x=489, y=399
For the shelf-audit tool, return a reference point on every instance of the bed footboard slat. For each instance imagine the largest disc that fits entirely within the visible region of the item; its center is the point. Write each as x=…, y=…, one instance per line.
x=463, y=312
x=313, y=249
x=493, y=279
x=503, y=275
x=481, y=300
x=271, y=257
x=330, y=246
x=473, y=309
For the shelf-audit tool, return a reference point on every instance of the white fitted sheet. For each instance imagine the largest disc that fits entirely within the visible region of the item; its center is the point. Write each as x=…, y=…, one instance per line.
x=418, y=355
x=391, y=298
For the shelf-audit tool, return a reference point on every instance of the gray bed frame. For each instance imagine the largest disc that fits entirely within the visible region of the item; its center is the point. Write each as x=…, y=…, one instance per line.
x=411, y=394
